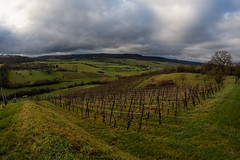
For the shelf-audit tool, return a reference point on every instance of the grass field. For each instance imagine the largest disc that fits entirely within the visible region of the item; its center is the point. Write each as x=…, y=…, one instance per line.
x=24, y=76
x=67, y=90
x=109, y=67
x=82, y=76
x=41, y=130
x=179, y=79
x=184, y=78
x=52, y=86
x=136, y=62
x=80, y=67
x=79, y=71
x=85, y=74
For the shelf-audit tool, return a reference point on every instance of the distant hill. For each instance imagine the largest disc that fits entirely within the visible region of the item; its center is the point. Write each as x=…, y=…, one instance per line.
x=120, y=56
x=4, y=59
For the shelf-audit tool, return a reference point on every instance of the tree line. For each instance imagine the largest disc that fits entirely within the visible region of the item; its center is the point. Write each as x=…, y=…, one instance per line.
x=3, y=76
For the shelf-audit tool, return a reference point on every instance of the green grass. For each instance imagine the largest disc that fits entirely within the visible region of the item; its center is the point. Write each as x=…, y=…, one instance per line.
x=109, y=68
x=82, y=76
x=8, y=131
x=52, y=86
x=73, y=75
x=24, y=76
x=80, y=67
x=211, y=130
x=67, y=90
x=69, y=78
x=189, y=78
x=39, y=132
x=135, y=62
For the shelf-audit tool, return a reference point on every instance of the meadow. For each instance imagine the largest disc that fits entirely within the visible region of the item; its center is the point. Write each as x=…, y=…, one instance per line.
x=31, y=76
x=66, y=74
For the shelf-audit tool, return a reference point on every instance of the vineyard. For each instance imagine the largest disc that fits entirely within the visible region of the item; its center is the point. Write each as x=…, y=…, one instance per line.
x=121, y=104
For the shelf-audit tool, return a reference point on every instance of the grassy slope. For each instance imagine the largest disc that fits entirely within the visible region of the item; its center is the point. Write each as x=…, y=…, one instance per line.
x=38, y=132
x=72, y=77
x=111, y=69
x=25, y=76
x=88, y=70
x=190, y=78
x=156, y=64
x=209, y=131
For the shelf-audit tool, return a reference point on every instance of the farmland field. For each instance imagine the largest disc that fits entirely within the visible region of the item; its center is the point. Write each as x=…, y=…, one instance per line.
x=118, y=109
x=31, y=76
x=68, y=73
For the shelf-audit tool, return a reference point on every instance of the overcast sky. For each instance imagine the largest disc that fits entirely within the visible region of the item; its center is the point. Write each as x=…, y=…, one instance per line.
x=182, y=29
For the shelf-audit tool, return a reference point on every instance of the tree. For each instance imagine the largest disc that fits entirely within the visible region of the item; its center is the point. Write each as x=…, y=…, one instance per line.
x=181, y=68
x=208, y=68
x=219, y=66
x=219, y=77
x=3, y=76
x=222, y=60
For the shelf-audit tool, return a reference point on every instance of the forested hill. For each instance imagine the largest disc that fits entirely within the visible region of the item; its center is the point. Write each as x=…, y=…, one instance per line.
x=120, y=56
x=20, y=59
x=14, y=59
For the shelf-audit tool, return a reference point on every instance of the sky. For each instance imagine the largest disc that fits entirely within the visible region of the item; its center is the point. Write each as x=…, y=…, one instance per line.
x=180, y=29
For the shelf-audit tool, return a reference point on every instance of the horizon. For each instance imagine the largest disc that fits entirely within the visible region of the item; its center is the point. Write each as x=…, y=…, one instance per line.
x=57, y=55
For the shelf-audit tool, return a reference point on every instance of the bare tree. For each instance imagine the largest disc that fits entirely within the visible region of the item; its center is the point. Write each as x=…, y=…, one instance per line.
x=221, y=60
x=219, y=66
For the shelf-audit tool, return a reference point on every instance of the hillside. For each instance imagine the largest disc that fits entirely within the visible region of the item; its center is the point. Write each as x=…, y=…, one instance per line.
x=103, y=56
x=40, y=130
x=31, y=78
x=8, y=59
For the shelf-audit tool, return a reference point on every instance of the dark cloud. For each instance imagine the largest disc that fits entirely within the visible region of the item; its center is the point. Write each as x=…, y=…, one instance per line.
x=183, y=29
x=91, y=25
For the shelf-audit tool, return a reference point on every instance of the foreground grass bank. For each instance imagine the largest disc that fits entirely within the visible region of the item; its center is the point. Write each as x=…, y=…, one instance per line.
x=31, y=130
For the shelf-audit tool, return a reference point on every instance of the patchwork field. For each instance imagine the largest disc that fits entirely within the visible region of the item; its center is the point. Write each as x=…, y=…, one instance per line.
x=69, y=73
x=31, y=76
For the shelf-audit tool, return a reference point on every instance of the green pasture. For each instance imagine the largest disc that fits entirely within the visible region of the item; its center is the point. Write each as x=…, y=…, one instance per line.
x=102, y=67
x=135, y=62
x=31, y=76
x=179, y=79
x=79, y=67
